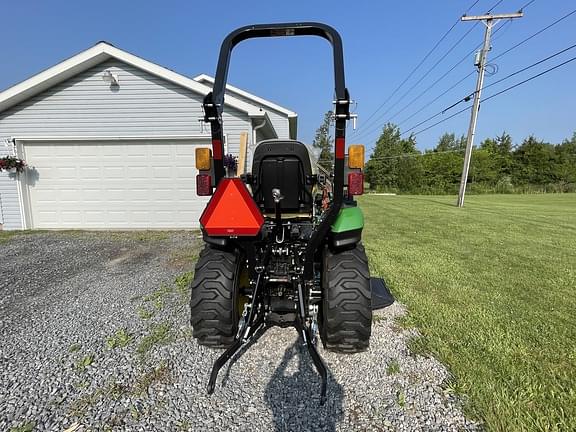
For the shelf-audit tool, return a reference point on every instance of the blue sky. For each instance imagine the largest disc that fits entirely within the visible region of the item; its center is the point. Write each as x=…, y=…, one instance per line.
x=383, y=42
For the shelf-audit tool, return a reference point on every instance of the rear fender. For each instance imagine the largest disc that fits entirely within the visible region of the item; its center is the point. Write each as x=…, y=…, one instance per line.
x=346, y=231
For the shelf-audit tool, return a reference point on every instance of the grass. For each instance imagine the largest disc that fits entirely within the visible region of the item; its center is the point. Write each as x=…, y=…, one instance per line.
x=393, y=367
x=120, y=339
x=144, y=313
x=160, y=374
x=184, y=257
x=159, y=335
x=74, y=348
x=26, y=427
x=6, y=236
x=84, y=362
x=401, y=398
x=116, y=390
x=491, y=289
x=182, y=284
x=141, y=236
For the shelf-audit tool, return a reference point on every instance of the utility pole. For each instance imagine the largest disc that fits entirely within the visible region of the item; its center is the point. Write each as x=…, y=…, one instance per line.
x=489, y=21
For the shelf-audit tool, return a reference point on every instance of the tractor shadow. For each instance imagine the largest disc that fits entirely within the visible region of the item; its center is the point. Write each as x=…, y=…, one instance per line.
x=294, y=397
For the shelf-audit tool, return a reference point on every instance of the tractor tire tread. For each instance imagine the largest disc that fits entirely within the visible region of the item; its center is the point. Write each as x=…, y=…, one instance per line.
x=347, y=310
x=213, y=298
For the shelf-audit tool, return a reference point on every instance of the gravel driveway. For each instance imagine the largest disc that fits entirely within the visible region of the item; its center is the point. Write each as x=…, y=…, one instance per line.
x=94, y=335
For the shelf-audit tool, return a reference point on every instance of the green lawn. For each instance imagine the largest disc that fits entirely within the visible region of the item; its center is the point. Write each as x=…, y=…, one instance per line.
x=492, y=289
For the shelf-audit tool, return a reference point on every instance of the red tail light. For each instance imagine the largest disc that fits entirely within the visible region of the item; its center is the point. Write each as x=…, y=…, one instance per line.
x=203, y=185
x=356, y=183
x=232, y=211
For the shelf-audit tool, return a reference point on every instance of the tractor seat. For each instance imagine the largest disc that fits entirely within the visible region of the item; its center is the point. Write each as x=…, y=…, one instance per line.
x=285, y=165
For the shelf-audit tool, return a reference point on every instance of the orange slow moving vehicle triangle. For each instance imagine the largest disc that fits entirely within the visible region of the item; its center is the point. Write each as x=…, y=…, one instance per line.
x=231, y=211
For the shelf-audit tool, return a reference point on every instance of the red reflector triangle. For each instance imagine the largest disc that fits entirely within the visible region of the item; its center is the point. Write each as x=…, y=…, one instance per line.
x=231, y=211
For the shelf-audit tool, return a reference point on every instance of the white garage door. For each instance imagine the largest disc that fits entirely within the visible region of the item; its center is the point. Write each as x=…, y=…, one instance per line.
x=113, y=185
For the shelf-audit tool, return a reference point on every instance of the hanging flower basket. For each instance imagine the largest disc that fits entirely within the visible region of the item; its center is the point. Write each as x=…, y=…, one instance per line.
x=11, y=163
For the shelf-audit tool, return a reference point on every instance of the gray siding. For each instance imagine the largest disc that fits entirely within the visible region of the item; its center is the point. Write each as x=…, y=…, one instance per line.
x=279, y=120
x=86, y=106
x=9, y=205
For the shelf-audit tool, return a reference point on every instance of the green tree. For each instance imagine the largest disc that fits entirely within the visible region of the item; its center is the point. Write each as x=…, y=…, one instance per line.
x=504, y=144
x=565, y=164
x=325, y=142
x=491, y=163
x=534, y=162
x=410, y=168
x=393, y=161
x=449, y=142
x=442, y=166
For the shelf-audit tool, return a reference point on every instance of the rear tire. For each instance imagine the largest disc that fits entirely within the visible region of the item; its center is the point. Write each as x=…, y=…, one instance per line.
x=346, y=314
x=213, y=302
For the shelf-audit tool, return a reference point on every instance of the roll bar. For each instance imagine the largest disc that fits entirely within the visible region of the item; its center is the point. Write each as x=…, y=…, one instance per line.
x=214, y=105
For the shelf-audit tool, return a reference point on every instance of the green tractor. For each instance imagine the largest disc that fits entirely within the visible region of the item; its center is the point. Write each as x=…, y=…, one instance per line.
x=283, y=243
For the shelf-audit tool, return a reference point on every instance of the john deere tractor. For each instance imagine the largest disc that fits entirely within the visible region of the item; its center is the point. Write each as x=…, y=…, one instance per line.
x=283, y=242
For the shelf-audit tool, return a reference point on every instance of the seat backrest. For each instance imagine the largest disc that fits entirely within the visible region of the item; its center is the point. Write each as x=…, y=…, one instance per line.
x=285, y=165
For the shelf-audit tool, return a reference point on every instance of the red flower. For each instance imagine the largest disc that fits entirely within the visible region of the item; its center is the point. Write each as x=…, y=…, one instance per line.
x=11, y=162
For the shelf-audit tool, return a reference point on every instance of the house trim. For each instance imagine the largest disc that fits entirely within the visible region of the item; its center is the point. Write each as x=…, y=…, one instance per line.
x=292, y=116
x=95, y=55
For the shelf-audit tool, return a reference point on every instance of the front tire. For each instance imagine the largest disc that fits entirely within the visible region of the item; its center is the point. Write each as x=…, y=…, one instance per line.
x=213, y=300
x=346, y=316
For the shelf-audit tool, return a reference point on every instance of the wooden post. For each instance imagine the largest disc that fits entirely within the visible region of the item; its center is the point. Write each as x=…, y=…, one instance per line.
x=242, y=156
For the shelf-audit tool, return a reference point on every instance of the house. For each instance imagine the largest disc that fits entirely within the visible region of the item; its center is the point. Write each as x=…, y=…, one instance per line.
x=110, y=139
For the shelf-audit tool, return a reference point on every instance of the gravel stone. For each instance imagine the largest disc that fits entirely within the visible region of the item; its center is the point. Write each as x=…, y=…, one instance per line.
x=63, y=295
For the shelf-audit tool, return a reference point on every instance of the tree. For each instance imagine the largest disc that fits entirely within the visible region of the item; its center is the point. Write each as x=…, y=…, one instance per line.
x=392, y=164
x=534, y=162
x=565, y=163
x=449, y=142
x=504, y=144
x=492, y=162
x=443, y=165
x=325, y=142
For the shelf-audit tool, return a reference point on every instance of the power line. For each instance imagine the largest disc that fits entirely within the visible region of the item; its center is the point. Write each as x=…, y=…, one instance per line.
x=507, y=89
x=494, y=7
x=456, y=83
x=504, y=32
x=369, y=124
x=441, y=121
x=436, y=98
x=472, y=72
x=527, y=4
x=498, y=56
x=462, y=60
x=404, y=155
x=531, y=66
x=443, y=76
x=428, y=72
x=420, y=63
x=529, y=79
x=467, y=98
x=377, y=119
x=522, y=42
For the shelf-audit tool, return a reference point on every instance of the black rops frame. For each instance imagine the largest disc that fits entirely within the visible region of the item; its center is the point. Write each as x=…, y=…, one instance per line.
x=214, y=105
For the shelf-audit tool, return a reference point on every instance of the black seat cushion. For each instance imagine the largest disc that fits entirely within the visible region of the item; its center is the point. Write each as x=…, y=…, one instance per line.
x=284, y=165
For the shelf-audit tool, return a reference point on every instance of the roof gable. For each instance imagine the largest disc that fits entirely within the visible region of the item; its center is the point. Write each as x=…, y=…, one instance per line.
x=95, y=55
x=257, y=99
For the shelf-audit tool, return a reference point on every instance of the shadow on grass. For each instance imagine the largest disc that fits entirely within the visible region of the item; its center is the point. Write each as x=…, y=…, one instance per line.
x=450, y=200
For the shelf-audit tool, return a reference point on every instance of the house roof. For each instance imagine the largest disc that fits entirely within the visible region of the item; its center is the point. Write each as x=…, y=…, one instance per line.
x=292, y=116
x=258, y=99
x=91, y=57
